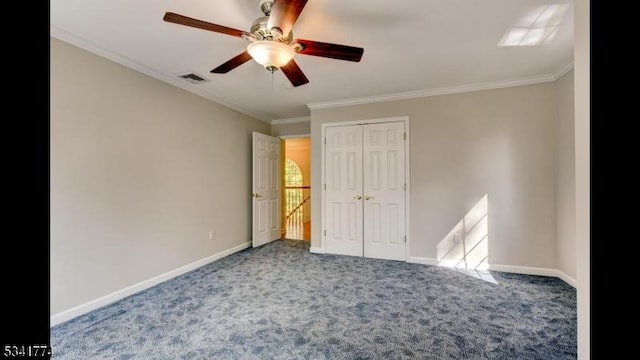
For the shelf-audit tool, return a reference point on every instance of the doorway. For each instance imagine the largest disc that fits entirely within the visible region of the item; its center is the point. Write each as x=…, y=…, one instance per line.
x=297, y=188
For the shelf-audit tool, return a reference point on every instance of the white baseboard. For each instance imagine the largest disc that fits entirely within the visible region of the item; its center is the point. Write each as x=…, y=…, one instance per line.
x=316, y=250
x=422, y=260
x=526, y=270
x=130, y=290
x=568, y=279
x=535, y=271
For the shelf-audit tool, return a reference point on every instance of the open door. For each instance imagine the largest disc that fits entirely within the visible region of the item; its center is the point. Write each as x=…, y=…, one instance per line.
x=266, y=189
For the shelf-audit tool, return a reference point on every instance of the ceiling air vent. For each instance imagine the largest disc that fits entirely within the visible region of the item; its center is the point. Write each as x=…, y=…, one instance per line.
x=193, y=78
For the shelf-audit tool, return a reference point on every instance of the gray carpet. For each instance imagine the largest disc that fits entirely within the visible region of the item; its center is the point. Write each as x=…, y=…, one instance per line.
x=281, y=302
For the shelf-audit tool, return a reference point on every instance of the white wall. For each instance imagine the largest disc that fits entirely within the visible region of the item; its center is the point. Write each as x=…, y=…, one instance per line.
x=565, y=176
x=140, y=172
x=299, y=128
x=496, y=142
x=582, y=51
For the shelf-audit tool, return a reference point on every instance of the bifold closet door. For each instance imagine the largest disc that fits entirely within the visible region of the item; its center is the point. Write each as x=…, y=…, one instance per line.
x=343, y=194
x=384, y=190
x=365, y=190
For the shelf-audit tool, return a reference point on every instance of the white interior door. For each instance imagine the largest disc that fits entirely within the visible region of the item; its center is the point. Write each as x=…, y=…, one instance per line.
x=384, y=191
x=266, y=189
x=343, y=194
x=365, y=190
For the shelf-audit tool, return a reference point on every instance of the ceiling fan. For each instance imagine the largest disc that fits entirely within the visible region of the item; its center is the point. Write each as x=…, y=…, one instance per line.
x=271, y=42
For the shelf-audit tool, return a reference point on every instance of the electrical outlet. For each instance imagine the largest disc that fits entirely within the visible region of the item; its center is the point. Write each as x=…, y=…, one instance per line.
x=457, y=238
x=212, y=234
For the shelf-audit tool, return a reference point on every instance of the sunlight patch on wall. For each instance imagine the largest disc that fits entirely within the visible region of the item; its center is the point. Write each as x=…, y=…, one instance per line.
x=466, y=246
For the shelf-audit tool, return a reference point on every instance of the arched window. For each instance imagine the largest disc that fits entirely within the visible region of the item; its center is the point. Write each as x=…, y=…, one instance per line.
x=293, y=174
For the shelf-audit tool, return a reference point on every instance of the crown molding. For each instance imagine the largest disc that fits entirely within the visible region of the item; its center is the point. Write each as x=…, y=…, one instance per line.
x=90, y=46
x=563, y=70
x=293, y=120
x=443, y=90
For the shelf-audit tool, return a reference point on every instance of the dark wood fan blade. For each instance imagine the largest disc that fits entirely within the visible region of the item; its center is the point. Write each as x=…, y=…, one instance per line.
x=284, y=14
x=187, y=21
x=232, y=64
x=294, y=74
x=334, y=51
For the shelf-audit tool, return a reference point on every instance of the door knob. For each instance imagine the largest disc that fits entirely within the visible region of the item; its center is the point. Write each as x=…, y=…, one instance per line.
x=257, y=195
x=367, y=197
x=358, y=197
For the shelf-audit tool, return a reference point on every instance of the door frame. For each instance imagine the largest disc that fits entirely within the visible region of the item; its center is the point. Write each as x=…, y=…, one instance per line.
x=407, y=169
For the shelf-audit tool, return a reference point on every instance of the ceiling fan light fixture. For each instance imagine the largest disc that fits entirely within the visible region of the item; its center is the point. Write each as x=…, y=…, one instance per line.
x=270, y=54
x=268, y=45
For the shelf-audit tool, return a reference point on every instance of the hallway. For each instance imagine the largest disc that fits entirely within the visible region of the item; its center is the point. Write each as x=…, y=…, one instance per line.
x=297, y=189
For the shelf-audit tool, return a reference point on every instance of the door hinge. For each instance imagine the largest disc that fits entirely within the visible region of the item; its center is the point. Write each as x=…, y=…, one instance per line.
x=325, y=186
x=325, y=141
x=405, y=136
x=405, y=238
x=404, y=187
x=325, y=232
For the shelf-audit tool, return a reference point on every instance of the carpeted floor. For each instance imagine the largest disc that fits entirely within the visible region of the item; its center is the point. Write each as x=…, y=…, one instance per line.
x=281, y=302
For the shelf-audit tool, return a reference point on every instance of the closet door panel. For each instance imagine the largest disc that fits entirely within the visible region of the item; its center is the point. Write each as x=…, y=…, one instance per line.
x=384, y=190
x=343, y=195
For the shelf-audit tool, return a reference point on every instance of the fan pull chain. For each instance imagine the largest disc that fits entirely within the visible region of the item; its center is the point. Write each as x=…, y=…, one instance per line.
x=272, y=80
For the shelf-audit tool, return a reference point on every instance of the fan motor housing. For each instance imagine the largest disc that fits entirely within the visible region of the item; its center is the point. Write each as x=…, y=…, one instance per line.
x=260, y=30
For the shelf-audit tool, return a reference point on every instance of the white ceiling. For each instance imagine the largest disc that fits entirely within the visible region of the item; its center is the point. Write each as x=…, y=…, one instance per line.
x=410, y=46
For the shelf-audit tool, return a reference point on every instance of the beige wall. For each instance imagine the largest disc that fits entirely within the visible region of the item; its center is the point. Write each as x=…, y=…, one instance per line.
x=299, y=151
x=140, y=173
x=300, y=128
x=565, y=176
x=582, y=56
x=495, y=142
